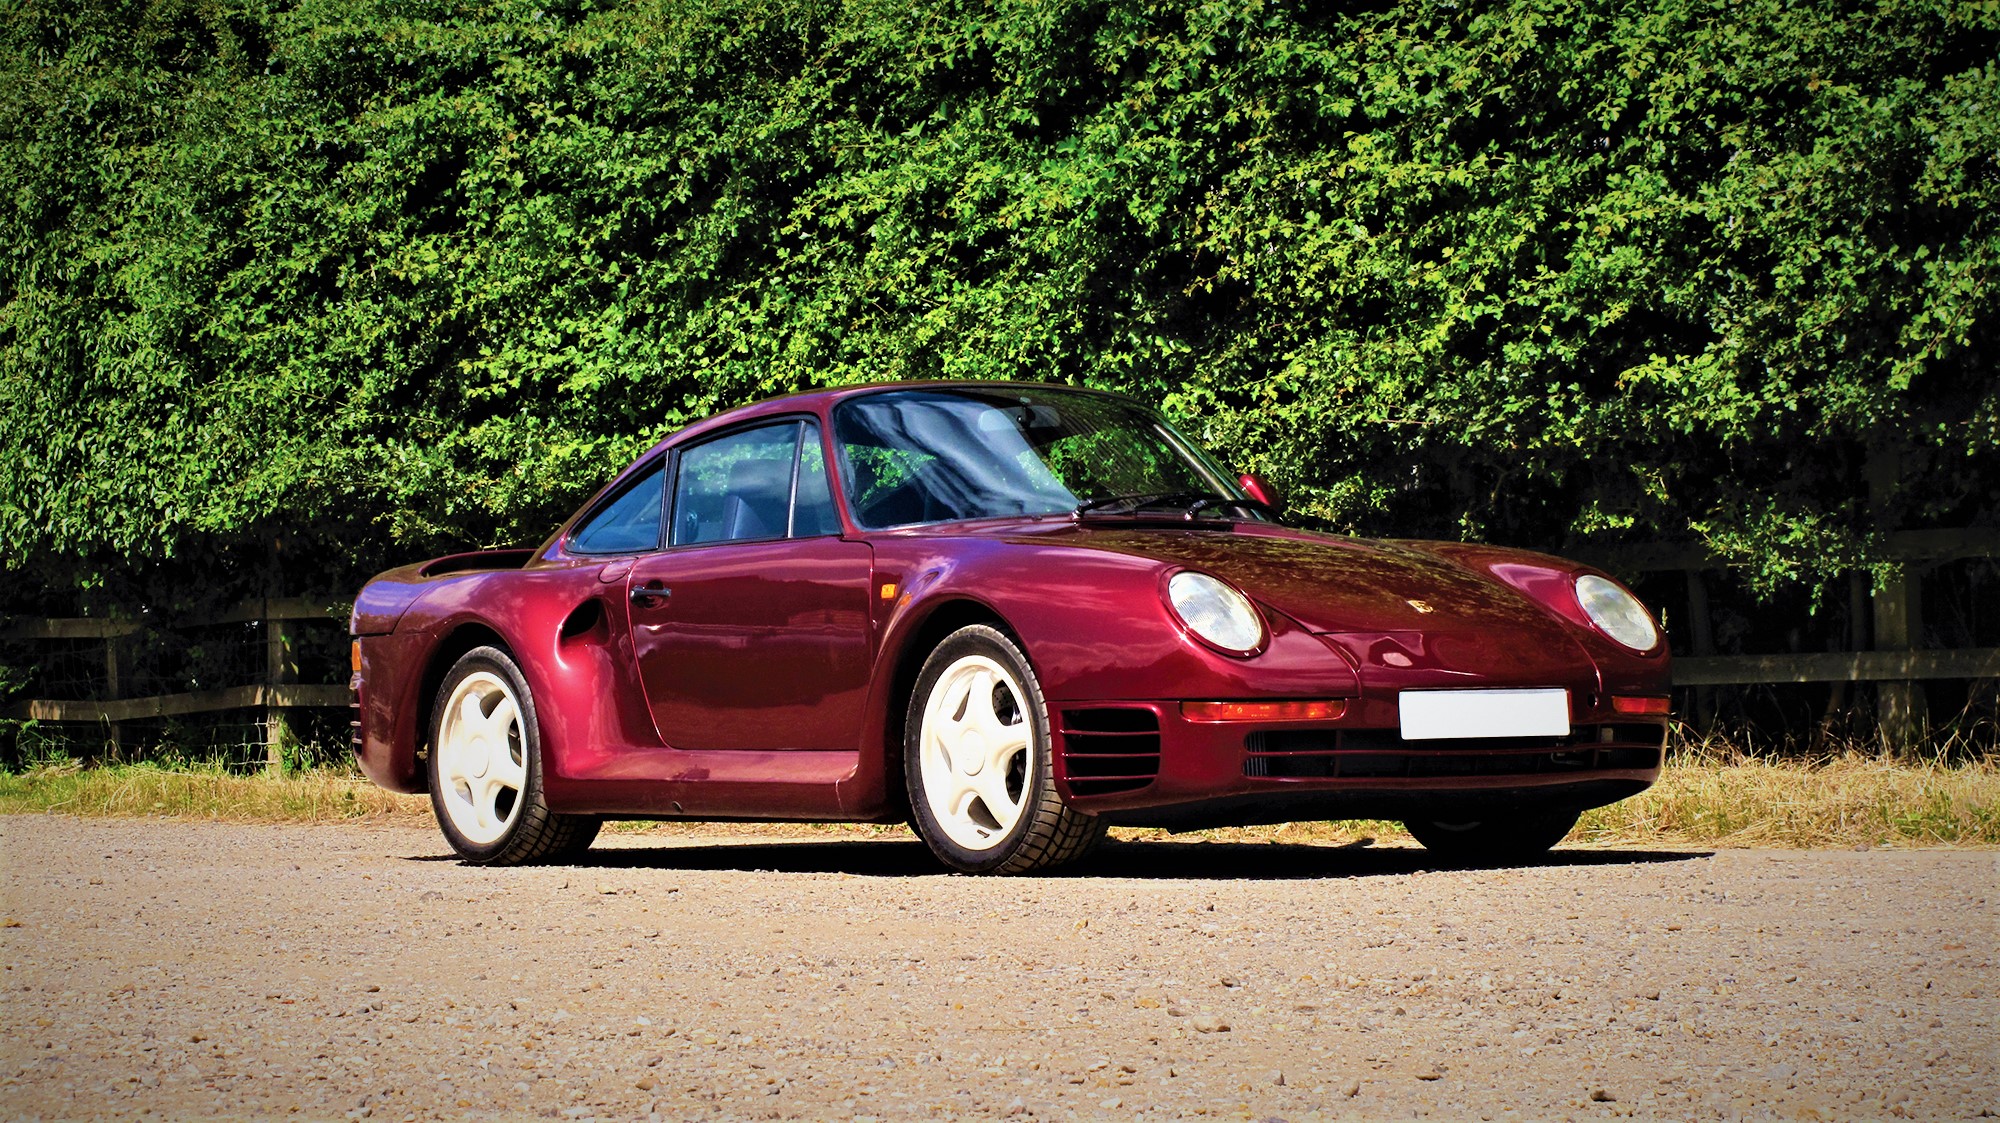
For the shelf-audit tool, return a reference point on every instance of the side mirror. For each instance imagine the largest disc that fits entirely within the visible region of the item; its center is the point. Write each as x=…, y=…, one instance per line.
x=1256, y=487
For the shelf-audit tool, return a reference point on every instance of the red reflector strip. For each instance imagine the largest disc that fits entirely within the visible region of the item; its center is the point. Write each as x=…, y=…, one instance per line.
x=1265, y=711
x=1654, y=707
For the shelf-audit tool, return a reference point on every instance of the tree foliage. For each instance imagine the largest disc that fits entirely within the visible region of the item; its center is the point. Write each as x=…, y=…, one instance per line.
x=386, y=277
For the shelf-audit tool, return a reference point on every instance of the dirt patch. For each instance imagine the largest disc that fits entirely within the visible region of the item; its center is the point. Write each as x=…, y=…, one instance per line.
x=215, y=969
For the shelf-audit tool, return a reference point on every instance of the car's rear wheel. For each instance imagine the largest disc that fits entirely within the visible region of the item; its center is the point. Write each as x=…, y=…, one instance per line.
x=1499, y=840
x=976, y=758
x=486, y=772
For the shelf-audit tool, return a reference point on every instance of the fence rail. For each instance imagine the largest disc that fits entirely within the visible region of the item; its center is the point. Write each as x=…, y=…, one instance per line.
x=93, y=627
x=1927, y=546
x=1837, y=666
x=266, y=695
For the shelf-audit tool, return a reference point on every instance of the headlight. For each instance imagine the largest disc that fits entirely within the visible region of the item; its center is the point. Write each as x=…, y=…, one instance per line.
x=1616, y=613
x=1216, y=612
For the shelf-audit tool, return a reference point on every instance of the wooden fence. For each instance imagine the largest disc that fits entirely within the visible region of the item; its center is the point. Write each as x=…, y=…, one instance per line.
x=1895, y=663
x=279, y=691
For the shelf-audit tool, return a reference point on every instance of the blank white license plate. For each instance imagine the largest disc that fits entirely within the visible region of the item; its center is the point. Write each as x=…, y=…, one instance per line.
x=1432, y=715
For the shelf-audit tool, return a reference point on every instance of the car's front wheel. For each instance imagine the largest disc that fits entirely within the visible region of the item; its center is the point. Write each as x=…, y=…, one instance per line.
x=1502, y=839
x=976, y=759
x=486, y=770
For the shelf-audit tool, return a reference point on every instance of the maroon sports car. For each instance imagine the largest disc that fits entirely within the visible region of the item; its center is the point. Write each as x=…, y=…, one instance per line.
x=1010, y=614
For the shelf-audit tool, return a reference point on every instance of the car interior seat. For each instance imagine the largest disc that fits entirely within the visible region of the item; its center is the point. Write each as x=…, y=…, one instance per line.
x=759, y=496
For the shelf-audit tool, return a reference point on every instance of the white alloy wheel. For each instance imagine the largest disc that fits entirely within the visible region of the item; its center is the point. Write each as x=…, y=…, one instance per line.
x=977, y=752
x=978, y=765
x=482, y=758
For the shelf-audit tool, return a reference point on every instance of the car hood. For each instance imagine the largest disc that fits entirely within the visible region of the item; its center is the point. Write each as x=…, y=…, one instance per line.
x=1336, y=585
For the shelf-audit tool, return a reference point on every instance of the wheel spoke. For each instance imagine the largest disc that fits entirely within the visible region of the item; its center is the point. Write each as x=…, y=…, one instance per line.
x=452, y=761
x=992, y=788
x=961, y=802
x=950, y=735
x=503, y=718
x=1005, y=743
x=506, y=771
x=979, y=708
x=485, y=800
x=471, y=715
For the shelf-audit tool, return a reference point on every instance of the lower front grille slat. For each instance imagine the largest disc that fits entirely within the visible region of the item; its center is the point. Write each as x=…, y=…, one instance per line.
x=1383, y=754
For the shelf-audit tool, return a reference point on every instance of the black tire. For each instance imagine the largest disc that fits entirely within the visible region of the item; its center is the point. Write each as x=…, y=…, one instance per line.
x=1508, y=839
x=501, y=825
x=1044, y=832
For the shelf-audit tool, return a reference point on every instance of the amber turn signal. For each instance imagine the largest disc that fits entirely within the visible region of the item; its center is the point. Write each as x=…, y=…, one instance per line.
x=354, y=656
x=1651, y=707
x=1326, y=710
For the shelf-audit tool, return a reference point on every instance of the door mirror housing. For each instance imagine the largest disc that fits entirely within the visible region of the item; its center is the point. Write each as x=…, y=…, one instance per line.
x=1260, y=489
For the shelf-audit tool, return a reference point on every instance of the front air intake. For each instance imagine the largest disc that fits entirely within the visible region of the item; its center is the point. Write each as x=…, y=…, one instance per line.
x=1106, y=750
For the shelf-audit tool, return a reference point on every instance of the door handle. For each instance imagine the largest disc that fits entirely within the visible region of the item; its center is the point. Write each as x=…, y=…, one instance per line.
x=645, y=596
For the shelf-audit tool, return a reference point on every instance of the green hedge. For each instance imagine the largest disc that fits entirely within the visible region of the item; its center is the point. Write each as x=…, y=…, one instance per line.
x=383, y=279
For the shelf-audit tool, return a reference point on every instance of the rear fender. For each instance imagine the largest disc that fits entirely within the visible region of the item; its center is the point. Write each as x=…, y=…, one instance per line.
x=566, y=630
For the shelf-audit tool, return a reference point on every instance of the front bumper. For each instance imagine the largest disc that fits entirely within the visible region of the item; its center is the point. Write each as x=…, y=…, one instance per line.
x=1145, y=764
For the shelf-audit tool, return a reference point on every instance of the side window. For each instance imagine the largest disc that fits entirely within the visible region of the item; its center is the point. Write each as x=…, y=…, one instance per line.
x=813, y=515
x=629, y=523
x=736, y=487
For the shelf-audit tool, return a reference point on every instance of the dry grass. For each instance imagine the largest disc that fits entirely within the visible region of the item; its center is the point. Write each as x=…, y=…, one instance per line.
x=1847, y=800
x=1707, y=799
x=140, y=790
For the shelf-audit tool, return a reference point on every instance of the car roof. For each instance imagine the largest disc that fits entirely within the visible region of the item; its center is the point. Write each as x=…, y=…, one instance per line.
x=821, y=400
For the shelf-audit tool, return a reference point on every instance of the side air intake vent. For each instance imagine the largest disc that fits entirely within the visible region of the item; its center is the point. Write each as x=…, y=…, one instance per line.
x=1109, y=749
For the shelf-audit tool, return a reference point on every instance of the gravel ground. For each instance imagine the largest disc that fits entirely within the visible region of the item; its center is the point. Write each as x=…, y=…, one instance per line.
x=195, y=969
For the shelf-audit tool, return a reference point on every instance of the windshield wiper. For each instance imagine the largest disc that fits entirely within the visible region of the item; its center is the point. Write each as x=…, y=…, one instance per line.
x=1191, y=502
x=1220, y=502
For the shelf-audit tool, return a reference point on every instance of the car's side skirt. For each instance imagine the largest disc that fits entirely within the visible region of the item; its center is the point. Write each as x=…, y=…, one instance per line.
x=705, y=784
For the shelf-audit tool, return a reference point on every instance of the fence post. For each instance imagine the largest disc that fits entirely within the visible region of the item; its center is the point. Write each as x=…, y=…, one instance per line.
x=1702, y=638
x=112, y=691
x=1899, y=627
x=1898, y=615
x=279, y=668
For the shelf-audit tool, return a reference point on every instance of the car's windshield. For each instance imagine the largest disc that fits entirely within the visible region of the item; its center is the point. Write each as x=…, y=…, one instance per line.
x=939, y=455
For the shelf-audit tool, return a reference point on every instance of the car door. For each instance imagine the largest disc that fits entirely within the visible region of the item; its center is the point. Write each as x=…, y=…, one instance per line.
x=751, y=628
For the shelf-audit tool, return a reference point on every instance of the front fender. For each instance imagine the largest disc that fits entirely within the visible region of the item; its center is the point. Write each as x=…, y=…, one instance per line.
x=1550, y=582
x=1092, y=623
